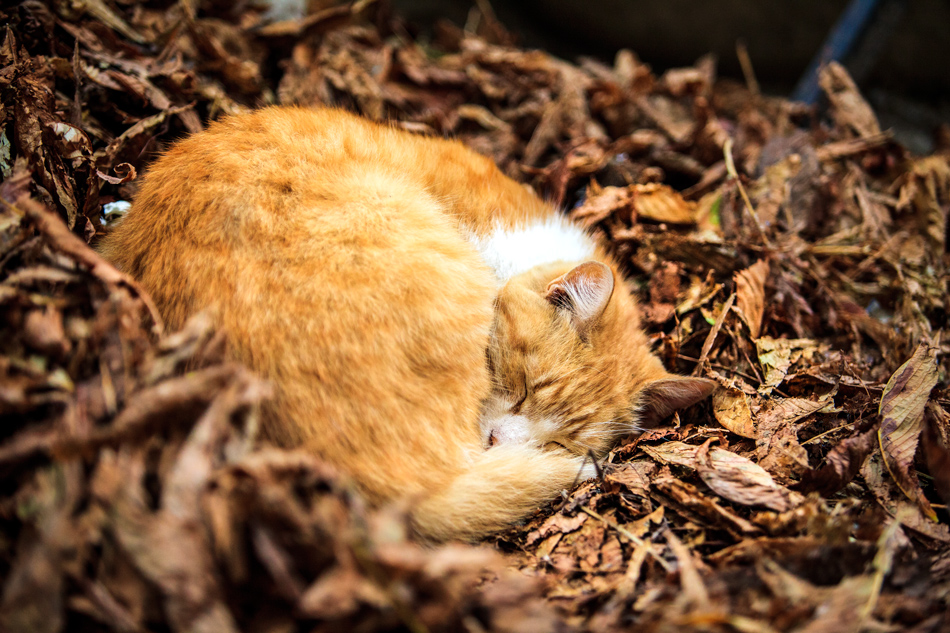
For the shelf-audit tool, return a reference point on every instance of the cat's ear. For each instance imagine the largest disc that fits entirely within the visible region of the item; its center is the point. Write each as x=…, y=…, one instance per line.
x=583, y=292
x=660, y=398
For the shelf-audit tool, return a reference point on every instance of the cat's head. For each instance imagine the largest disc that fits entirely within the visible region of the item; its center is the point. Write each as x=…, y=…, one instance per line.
x=571, y=366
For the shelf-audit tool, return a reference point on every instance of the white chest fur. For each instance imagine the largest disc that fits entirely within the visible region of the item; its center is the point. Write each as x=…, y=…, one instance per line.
x=512, y=251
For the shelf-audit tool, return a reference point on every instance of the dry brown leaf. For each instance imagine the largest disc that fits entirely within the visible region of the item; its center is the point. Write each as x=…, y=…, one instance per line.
x=740, y=480
x=634, y=476
x=694, y=590
x=840, y=465
x=902, y=420
x=734, y=411
x=664, y=292
x=681, y=496
x=848, y=107
x=750, y=295
x=895, y=502
x=776, y=356
x=777, y=446
x=778, y=411
x=661, y=203
x=731, y=476
x=677, y=453
x=559, y=523
x=124, y=173
x=601, y=203
x=932, y=197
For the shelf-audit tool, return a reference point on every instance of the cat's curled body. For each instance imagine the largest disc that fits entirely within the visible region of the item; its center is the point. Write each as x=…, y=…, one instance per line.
x=367, y=273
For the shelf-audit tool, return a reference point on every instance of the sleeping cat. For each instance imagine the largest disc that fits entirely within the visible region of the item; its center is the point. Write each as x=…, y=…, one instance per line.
x=431, y=327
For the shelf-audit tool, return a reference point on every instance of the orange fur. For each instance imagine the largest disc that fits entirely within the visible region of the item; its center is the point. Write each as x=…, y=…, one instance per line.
x=334, y=255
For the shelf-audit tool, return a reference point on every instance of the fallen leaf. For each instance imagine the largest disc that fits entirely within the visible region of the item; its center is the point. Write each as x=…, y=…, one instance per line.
x=601, y=203
x=895, y=502
x=733, y=410
x=841, y=464
x=776, y=356
x=124, y=173
x=902, y=420
x=777, y=446
x=750, y=295
x=686, y=497
x=634, y=476
x=848, y=107
x=740, y=480
x=660, y=203
x=678, y=453
x=559, y=523
x=694, y=590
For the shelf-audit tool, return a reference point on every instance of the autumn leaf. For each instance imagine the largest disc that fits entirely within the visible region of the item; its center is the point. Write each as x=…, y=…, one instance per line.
x=893, y=500
x=741, y=480
x=733, y=410
x=731, y=476
x=750, y=295
x=776, y=356
x=661, y=203
x=847, y=105
x=902, y=419
x=840, y=466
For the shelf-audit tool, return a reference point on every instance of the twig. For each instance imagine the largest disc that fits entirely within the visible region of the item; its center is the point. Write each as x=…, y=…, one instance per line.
x=828, y=432
x=722, y=367
x=746, y=63
x=731, y=170
x=713, y=333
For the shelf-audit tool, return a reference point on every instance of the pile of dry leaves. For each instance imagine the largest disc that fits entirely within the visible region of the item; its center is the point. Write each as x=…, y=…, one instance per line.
x=799, y=257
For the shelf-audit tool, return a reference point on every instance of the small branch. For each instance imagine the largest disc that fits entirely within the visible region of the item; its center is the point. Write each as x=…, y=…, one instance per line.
x=731, y=170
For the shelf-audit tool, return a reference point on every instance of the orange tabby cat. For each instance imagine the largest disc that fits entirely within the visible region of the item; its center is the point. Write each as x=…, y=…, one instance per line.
x=367, y=272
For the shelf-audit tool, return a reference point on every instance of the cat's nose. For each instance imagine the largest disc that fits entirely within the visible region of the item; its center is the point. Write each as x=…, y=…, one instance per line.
x=509, y=429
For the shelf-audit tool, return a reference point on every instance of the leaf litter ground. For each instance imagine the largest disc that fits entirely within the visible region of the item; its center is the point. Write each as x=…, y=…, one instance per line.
x=799, y=257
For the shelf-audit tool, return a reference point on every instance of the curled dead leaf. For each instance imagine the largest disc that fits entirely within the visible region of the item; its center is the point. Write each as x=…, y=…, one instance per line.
x=902, y=420
x=750, y=295
x=742, y=481
x=661, y=203
x=124, y=172
x=841, y=464
x=733, y=410
x=848, y=107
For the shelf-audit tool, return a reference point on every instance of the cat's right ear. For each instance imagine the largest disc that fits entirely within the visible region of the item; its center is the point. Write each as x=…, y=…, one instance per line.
x=661, y=398
x=583, y=292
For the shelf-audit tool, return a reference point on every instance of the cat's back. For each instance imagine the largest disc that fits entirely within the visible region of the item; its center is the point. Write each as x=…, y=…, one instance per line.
x=331, y=267
x=260, y=167
x=283, y=186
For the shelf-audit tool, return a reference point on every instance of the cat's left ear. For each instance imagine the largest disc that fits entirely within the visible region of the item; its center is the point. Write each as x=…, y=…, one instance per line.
x=584, y=292
x=661, y=398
